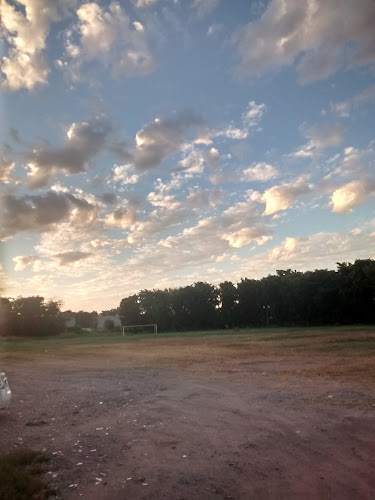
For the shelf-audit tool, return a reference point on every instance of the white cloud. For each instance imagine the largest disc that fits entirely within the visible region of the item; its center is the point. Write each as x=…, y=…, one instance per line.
x=22, y=261
x=317, y=33
x=138, y=26
x=351, y=195
x=6, y=168
x=260, y=172
x=245, y=236
x=195, y=160
x=122, y=217
x=282, y=197
x=107, y=35
x=320, y=250
x=251, y=118
x=124, y=174
x=26, y=30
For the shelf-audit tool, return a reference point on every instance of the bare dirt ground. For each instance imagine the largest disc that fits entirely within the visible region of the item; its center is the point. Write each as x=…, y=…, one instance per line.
x=194, y=418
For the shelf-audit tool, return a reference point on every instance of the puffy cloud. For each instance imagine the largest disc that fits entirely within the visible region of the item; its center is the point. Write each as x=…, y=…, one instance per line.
x=356, y=162
x=245, y=236
x=108, y=36
x=138, y=26
x=282, y=197
x=173, y=184
x=26, y=27
x=41, y=212
x=83, y=142
x=204, y=197
x=22, y=261
x=122, y=217
x=66, y=258
x=317, y=33
x=351, y=195
x=163, y=137
x=124, y=174
x=6, y=168
x=260, y=172
x=194, y=161
x=320, y=250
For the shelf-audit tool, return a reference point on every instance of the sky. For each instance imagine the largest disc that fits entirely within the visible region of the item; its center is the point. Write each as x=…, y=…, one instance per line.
x=156, y=143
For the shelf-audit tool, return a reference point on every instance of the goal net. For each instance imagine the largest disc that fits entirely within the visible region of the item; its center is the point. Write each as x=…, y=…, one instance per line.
x=152, y=328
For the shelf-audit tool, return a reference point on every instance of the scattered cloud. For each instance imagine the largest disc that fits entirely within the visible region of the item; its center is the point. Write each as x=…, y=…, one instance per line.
x=84, y=141
x=22, y=261
x=144, y=3
x=195, y=160
x=351, y=195
x=123, y=217
x=312, y=33
x=124, y=174
x=6, y=168
x=282, y=197
x=38, y=213
x=66, y=258
x=344, y=108
x=106, y=35
x=245, y=236
x=204, y=197
x=260, y=172
x=320, y=137
x=250, y=121
x=163, y=137
x=213, y=29
x=26, y=26
x=204, y=7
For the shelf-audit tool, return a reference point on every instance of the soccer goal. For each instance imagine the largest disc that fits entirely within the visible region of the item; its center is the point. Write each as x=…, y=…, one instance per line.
x=153, y=327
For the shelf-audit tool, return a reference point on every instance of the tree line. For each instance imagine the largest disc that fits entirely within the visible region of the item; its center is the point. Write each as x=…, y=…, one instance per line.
x=289, y=298
x=30, y=317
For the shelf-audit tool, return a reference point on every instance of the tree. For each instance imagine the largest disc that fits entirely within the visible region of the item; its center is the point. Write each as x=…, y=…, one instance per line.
x=32, y=316
x=5, y=312
x=130, y=311
x=228, y=296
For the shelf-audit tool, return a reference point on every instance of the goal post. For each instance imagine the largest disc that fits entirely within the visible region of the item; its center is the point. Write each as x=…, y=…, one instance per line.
x=140, y=327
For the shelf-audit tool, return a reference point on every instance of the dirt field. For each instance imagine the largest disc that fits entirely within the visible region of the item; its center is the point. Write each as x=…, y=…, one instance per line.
x=240, y=416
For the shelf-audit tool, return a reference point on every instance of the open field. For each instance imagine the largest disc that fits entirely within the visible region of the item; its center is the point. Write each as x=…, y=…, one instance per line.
x=285, y=413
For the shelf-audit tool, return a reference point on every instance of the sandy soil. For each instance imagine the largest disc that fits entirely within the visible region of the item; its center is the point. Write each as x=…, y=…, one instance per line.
x=192, y=420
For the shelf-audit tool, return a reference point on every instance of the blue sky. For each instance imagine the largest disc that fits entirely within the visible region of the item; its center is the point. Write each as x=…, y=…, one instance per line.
x=155, y=143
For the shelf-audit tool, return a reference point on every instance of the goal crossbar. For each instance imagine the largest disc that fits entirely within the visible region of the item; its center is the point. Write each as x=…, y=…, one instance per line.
x=137, y=326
